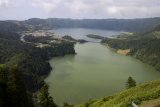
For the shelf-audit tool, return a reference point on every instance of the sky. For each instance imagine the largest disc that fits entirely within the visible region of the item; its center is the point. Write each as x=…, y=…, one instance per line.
x=78, y=9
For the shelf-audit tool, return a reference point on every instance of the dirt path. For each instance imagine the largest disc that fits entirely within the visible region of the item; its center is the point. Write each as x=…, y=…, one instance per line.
x=151, y=103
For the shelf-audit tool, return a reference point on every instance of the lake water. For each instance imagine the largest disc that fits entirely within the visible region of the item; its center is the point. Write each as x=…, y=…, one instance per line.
x=96, y=71
x=80, y=33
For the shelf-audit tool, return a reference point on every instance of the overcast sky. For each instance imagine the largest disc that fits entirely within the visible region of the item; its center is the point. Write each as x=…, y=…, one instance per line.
x=24, y=9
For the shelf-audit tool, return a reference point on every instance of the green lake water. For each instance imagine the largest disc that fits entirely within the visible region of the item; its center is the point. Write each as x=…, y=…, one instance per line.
x=94, y=72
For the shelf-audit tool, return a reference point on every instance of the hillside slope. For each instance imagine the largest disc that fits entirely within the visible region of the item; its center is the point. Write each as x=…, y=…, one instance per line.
x=23, y=66
x=146, y=91
x=134, y=25
x=143, y=46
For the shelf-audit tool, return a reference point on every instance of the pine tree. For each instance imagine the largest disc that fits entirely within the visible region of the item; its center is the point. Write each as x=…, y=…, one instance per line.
x=44, y=99
x=3, y=86
x=130, y=83
x=16, y=92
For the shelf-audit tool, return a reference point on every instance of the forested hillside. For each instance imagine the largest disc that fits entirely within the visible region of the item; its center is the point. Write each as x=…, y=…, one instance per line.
x=144, y=92
x=144, y=46
x=11, y=26
x=134, y=25
x=23, y=66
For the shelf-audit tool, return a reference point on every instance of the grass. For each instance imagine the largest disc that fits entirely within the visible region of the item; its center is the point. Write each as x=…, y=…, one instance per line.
x=151, y=103
x=139, y=94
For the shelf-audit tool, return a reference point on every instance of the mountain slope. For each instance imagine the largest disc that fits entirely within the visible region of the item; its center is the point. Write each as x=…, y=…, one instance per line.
x=143, y=46
x=134, y=25
x=146, y=91
x=11, y=26
x=146, y=47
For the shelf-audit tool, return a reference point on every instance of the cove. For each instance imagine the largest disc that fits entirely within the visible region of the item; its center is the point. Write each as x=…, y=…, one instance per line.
x=94, y=72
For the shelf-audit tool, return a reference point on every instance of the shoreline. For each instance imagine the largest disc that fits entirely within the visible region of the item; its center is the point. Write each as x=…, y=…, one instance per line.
x=123, y=52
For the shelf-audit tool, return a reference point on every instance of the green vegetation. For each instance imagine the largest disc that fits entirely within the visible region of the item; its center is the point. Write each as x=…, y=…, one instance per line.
x=135, y=25
x=144, y=92
x=67, y=37
x=125, y=35
x=38, y=39
x=23, y=67
x=12, y=26
x=67, y=105
x=12, y=89
x=95, y=36
x=153, y=103
x=31, y=59
x=143, y=46
x=130, y=83
x=44, y=99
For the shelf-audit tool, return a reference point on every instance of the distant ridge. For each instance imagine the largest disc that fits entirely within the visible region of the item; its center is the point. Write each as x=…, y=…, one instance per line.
x=133, y=25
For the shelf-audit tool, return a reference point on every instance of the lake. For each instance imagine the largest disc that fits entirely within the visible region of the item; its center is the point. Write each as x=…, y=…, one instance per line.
x=94, y=72
x=80, y=33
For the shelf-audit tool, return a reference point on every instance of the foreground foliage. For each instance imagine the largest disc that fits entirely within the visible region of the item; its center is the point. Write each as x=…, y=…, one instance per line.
x=147, y=91
x=130, y=83
x=23, y=67
x=44, y=99
x=12, y=89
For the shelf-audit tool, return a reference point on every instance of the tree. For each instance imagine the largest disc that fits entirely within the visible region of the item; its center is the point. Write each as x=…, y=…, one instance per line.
x=130, y=83
x=3, y=86
x=67, y=105
x=44, y=99
x=12, y=89
x=16, y=93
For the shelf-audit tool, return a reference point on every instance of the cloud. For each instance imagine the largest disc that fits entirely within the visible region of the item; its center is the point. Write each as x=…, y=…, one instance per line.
x=4, y=3
x=108, y=8
x=86, y=8
x=47, y=5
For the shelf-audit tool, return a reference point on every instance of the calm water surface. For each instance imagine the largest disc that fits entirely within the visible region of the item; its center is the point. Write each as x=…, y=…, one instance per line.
x=80, y=33
x=96, y=71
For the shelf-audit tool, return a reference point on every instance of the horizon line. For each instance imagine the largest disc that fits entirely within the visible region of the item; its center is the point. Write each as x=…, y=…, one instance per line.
x=79, y=18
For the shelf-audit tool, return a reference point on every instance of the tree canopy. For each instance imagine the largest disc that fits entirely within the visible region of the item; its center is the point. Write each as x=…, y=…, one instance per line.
x=130, y=83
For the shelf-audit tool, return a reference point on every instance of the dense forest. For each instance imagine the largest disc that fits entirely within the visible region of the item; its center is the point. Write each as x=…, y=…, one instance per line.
x=144, y=46
x=133, y=25
x=23, y=66
x=108, y=24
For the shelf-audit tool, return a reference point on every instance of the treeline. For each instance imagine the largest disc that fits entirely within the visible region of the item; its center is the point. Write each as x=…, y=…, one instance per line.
x=39, y=39
x=9, y=35
x=14, y=94
x=12, y=89
x=12, y=26
x=134, y=25
x=145, y=48
x=32, y=64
